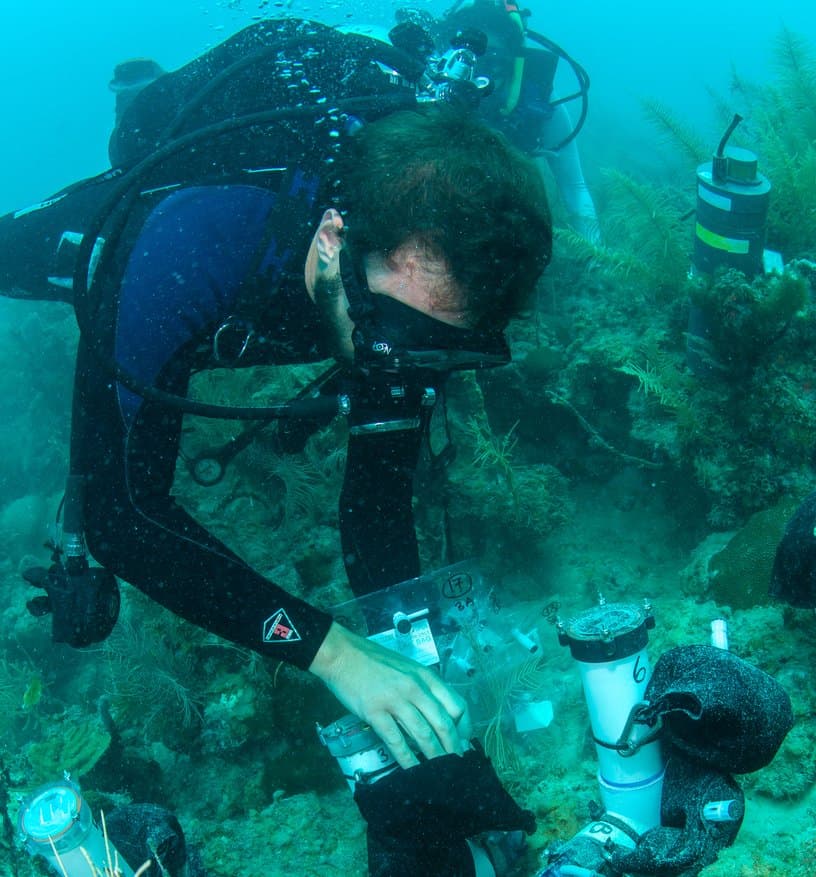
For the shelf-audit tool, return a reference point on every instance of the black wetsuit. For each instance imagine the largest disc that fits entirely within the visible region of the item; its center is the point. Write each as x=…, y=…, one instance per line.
x=174, y=275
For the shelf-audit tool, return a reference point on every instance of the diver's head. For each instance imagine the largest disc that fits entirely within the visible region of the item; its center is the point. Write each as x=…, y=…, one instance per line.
x=439, y=193
x=405, y=300
x=448, y=231
x=129, y=78
x=504, y=23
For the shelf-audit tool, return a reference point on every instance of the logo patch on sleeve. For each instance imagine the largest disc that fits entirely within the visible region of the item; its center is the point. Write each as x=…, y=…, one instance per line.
x=279, y=629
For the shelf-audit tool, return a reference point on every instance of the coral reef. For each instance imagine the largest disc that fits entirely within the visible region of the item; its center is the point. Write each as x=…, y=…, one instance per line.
x=73, y=742
x=739, y=573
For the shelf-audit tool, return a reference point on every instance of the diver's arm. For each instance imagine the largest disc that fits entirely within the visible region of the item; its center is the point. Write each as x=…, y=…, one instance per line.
x=325, y=288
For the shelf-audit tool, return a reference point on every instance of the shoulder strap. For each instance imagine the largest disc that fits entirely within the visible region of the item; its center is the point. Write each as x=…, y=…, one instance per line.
x=283, y=228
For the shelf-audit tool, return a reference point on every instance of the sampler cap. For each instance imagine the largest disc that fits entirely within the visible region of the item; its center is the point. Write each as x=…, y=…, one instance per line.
x=607, y=632
x=55, y=812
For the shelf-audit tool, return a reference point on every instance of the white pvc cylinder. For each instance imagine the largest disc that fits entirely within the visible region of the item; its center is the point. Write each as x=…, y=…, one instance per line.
x=638, y=803
x=631, y=785
x=57, y=825
x=719, y=634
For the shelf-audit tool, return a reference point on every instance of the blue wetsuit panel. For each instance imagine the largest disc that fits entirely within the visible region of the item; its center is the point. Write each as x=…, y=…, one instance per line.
x=185, y=272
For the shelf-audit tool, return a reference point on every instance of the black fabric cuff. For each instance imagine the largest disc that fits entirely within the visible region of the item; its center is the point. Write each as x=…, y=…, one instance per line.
x=293, y=633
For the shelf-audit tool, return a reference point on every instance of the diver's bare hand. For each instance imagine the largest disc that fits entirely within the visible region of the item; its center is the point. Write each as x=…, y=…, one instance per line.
x=325, y=286
x=329, y=242
x=323, y=260
x=397, y=697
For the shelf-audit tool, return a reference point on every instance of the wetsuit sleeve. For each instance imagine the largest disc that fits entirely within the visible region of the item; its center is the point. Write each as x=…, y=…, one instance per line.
x=180, y=280
x=138, y=531
x=39, y=243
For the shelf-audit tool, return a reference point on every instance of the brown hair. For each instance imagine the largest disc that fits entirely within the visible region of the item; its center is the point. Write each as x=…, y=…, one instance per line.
x=441, y=178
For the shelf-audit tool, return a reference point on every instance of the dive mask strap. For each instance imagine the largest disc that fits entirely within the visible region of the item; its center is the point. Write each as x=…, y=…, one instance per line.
x=390, y=334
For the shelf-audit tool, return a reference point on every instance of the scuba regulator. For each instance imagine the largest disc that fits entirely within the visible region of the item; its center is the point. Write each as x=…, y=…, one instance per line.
x=83, y=600
x=451, y=77
x=457, y=75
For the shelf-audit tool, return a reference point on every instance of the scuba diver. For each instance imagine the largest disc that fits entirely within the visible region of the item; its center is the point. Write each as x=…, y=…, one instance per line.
x=189, y=254
x=181, y=259
x=521, y=65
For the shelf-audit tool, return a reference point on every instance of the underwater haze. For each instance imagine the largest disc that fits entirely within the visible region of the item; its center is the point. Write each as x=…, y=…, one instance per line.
x=56, y=60
x=604, y=465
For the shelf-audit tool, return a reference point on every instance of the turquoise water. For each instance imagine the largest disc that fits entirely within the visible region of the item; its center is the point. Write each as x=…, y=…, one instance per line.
x=595, y=464
x=56, y=59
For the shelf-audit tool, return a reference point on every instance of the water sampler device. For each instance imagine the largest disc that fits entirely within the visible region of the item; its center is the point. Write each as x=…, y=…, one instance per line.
x=56, y=823
x=608, y=643
x=731, y=217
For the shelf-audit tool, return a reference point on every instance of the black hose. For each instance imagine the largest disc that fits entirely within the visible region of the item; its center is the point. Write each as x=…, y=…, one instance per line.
x=728, y=132
x=116, y=209
x=583, y=85
x=125, y=193
x=719, y=161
